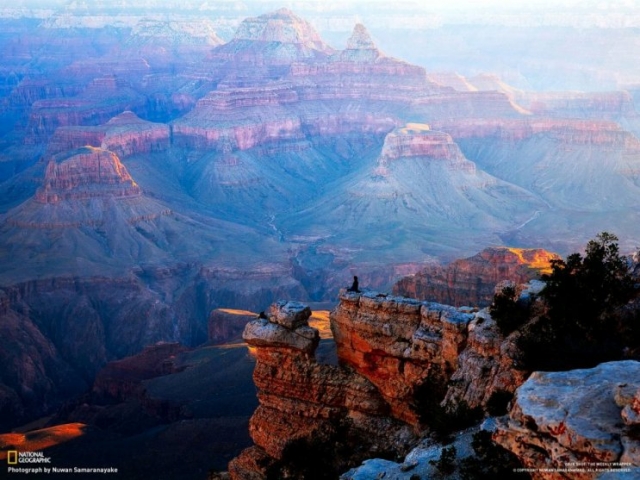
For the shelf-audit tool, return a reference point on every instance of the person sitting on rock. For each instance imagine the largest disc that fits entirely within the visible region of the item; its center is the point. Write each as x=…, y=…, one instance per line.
x=354, y=285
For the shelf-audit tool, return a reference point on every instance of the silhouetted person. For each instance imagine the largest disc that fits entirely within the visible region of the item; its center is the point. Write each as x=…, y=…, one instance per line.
x=354, y=285
x=262, y=315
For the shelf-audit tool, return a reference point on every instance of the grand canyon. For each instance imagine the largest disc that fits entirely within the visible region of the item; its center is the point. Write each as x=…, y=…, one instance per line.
x=187, y=190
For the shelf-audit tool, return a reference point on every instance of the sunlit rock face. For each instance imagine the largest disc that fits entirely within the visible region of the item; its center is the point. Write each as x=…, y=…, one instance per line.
x=561, y=420
x=304, y=404
x=226, y=325
x=398, y=343
x=471, y=281
x=389, y=349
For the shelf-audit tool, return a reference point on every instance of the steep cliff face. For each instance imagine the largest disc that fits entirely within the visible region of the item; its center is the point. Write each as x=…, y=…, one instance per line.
x=486, y=367
x=122, y=379
x=388, y=347
x=471, y=281
x=35, y=376
x=226, y=325
x=310, y=414
x=597, y=105
x=569, y=131
x=58, y=333
x=398, y=343
x=576, y=424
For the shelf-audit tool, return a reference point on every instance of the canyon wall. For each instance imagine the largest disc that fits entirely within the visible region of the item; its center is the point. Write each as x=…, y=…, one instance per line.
x=471, y=281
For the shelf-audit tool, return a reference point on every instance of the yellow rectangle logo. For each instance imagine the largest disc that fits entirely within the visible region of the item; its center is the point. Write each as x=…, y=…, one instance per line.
x=12, y=457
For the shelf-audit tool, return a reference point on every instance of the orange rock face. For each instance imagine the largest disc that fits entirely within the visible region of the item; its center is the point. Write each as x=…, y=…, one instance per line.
x=471, y=281
x=389, y=348
x=307, y=406
x=397, y=344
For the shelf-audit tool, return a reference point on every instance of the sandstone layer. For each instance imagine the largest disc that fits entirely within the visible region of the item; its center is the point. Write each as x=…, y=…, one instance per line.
x=125, y=134
x=398, y=344
x=308, y=409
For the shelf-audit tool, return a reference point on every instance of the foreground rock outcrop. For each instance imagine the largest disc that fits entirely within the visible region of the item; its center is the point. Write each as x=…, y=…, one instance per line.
x=388, y=348
x=311, y=415
x=580, y=424
x=398, y=344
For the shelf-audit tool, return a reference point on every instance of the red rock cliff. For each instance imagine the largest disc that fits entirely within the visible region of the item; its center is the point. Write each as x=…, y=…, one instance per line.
x=305, y=405
x=471, y=281
x=387, y=348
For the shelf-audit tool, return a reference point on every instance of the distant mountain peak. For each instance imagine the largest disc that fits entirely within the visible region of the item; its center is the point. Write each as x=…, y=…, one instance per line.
x=280, y=26
x=360, y=39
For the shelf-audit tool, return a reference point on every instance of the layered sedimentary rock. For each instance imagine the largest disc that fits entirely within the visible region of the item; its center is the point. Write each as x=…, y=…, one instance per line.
x=417, y=140
x=276, y=38
x=178, y=34
x=420, y=184
x=361, y=64
x=86, y=173
x=486, y=367
x=103, y=99
x=125, y=134
x=471, y=281
x=569, y=131
x=398, y=344
x=389, y=350
x=578, y=424
x=597, y=105
x=316, y=97
x=306, y=407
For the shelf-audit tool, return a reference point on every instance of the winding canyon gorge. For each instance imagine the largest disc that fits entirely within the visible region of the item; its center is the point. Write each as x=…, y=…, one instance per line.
x=169, y=171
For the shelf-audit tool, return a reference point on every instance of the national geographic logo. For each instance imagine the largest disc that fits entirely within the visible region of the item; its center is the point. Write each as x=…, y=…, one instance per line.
x=35, y=463
x=14, y=457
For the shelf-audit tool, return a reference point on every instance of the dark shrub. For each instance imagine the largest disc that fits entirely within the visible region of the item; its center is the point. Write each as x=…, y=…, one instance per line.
x=583, y=324
x=490, y=461
x=498, y=403
x=446, y=464
x=507, y=311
